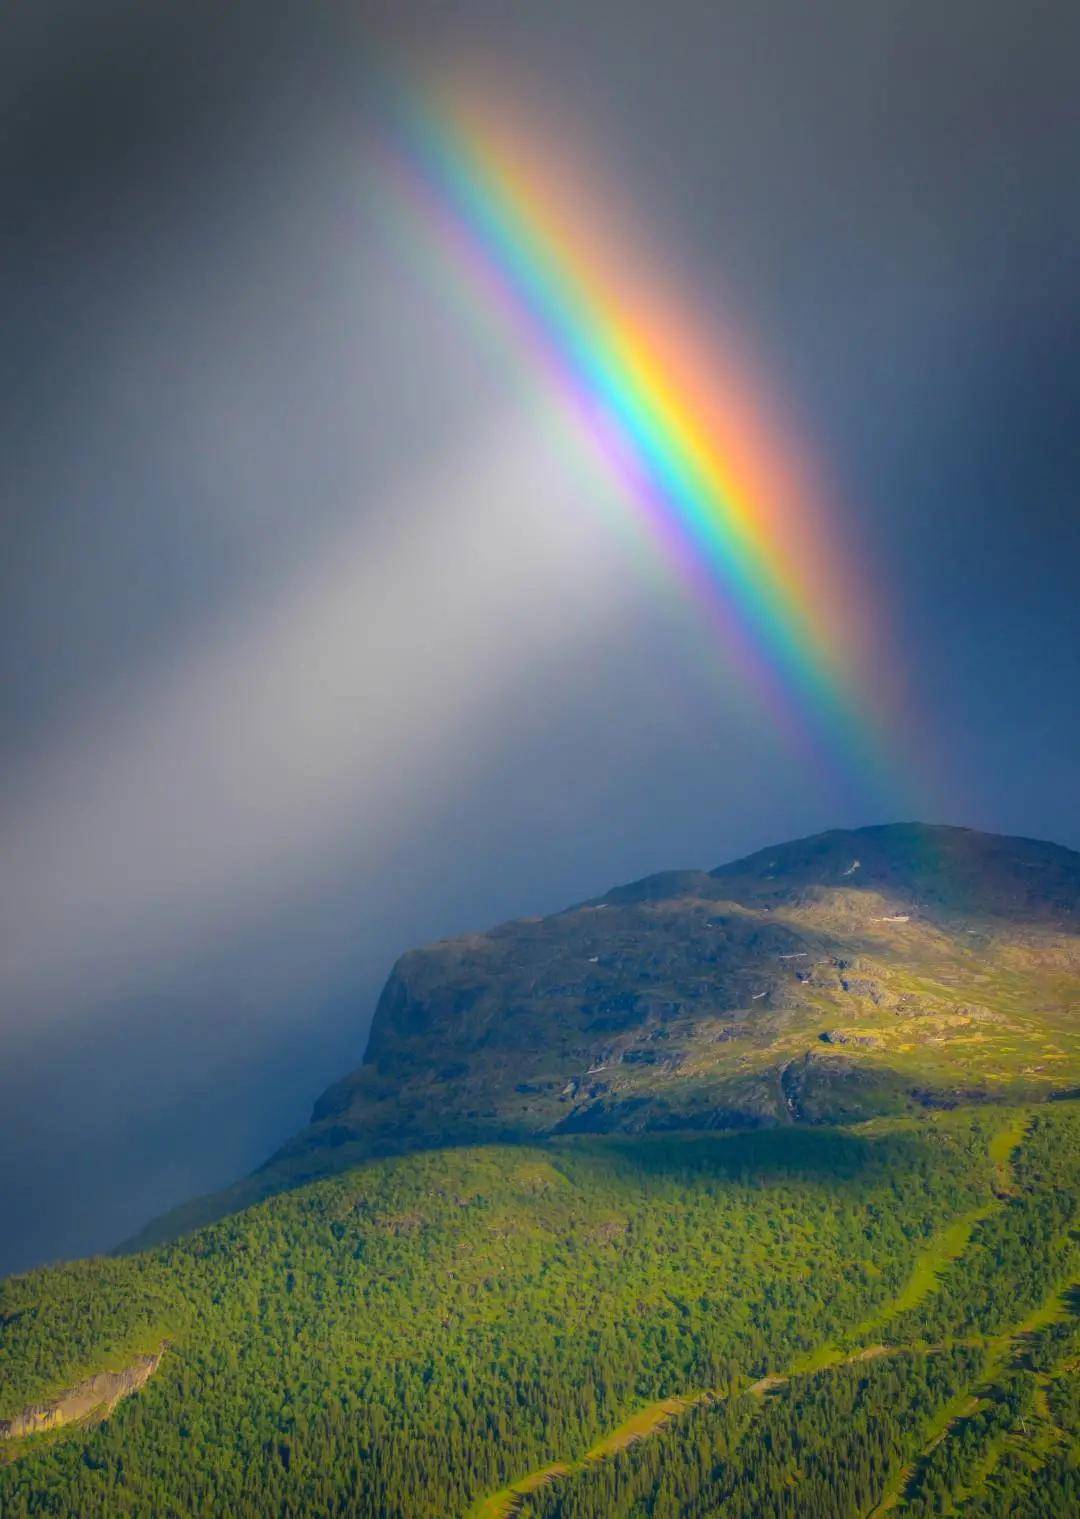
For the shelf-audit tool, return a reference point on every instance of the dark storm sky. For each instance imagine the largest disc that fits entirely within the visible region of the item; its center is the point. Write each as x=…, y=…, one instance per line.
x=317, y=638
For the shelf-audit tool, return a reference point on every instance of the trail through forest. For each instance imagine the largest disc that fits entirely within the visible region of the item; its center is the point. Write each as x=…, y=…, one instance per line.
x=945, y=1247
x=1001, y=1351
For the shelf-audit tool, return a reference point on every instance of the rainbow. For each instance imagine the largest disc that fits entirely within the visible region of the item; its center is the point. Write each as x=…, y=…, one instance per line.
x=675, y=413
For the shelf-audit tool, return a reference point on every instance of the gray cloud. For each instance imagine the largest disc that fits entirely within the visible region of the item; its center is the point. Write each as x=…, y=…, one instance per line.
x=359, y=692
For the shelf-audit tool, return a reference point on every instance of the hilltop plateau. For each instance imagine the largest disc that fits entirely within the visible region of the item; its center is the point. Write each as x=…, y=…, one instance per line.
x=856, y=973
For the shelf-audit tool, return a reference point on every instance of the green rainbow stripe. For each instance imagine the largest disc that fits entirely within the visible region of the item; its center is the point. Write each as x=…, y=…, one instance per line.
x=679, y=426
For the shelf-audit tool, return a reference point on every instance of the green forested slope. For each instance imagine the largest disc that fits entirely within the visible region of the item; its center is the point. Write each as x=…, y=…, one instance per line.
x=865, y=1308
x=972, y=1409
x=419, y=1333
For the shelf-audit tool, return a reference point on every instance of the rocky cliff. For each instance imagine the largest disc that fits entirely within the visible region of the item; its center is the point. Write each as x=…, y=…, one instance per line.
x=96, y=1395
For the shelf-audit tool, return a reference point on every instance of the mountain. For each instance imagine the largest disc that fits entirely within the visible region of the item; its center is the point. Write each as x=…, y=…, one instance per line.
x=859, y=972
x=782, y=1323
x=788, y=1229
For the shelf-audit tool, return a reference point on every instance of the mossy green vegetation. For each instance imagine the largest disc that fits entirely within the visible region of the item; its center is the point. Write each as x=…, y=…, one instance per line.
x=420, y=1332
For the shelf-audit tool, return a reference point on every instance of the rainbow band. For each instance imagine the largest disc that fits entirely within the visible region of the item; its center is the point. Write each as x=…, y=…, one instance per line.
x=715, y=485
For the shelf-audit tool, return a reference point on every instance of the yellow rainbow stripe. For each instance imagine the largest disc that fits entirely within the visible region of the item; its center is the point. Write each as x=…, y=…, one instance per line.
x=675, y=412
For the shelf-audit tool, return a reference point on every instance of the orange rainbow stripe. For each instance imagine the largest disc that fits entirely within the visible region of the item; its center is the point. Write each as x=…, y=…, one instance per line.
x=676, y=413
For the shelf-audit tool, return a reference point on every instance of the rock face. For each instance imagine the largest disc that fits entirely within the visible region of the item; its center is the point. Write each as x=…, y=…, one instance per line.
x=97, y=1394
x=678, y=1000
x=937, y=961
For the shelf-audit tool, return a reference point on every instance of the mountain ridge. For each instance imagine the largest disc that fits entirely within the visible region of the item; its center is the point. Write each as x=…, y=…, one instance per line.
x=854, y=972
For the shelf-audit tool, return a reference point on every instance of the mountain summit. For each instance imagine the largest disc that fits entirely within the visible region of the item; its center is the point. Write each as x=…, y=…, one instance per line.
x=855, y=973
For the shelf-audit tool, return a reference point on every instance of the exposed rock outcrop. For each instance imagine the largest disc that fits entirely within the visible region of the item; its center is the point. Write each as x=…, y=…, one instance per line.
x=97, y=1394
